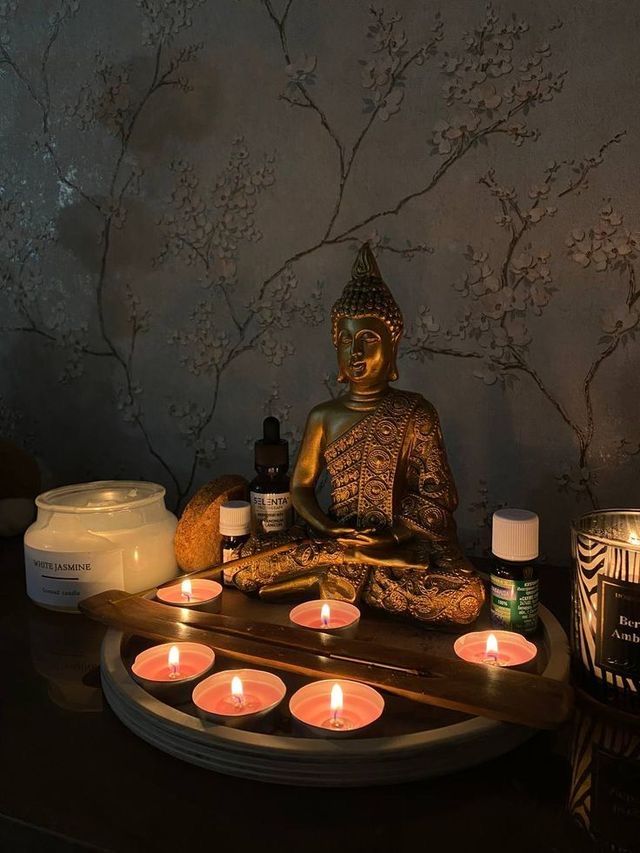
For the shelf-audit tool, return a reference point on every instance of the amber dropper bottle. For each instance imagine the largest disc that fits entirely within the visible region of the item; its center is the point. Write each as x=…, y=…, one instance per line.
x=270, y=494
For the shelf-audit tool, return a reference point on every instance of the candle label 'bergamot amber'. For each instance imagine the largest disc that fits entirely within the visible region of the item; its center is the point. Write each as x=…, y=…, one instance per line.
x=618, y=634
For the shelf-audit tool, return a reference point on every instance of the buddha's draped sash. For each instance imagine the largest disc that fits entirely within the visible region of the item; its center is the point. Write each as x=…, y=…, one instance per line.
x=363, y=462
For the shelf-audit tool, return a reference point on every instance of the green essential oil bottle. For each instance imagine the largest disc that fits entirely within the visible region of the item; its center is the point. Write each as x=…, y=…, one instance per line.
x=271, y=504
x=514, y=577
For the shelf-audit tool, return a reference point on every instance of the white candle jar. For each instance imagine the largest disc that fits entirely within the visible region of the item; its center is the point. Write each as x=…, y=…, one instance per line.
x=90, y=537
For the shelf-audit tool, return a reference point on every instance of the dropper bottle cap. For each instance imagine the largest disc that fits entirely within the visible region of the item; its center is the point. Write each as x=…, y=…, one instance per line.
x=271, y=451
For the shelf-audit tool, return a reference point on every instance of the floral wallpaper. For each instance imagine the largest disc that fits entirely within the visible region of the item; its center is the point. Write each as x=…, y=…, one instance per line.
x=182, y=188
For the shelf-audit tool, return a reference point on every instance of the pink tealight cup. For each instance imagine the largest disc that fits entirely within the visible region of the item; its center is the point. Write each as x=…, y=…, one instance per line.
x=238, y=697
x=336, y=708
x=170, y=671
x=325, y=614
x=495, y=648
x=196, y=594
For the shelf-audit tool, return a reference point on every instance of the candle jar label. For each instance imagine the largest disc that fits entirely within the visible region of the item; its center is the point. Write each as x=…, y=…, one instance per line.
x=62, y=579
x=618, y=629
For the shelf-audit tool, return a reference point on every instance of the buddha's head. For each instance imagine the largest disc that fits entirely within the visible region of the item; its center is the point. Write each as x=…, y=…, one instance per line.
x=366, y=325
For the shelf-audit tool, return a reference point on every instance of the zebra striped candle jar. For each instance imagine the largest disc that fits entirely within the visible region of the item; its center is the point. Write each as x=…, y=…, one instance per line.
x=606, y=605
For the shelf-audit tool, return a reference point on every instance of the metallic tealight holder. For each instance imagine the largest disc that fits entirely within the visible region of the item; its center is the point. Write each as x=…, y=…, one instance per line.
x=239, y=698
x=173, y=683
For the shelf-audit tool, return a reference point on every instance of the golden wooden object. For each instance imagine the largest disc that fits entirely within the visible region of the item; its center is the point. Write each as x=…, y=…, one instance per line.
x=389, y=535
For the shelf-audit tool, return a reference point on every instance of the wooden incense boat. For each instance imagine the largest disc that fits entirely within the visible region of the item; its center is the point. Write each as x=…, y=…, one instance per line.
x=430, y=727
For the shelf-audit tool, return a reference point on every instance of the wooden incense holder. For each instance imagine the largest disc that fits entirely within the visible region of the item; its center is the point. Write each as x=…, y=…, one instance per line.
x=499, y=694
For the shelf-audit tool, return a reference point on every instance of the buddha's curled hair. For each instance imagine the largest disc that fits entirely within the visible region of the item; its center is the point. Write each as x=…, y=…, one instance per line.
x=366, y=295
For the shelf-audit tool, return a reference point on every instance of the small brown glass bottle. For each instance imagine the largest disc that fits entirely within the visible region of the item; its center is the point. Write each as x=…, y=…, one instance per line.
x=235, y=527
x=271, y=505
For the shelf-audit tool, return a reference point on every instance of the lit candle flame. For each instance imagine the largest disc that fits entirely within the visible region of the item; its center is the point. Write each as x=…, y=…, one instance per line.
x=186, y=589
x=325, y=617
x=237, y=690
x=337, y=701
x=491, y=650
x=174, y=661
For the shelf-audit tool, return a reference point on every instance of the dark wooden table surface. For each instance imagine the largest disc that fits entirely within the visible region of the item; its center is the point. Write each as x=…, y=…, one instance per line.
x=73, y=777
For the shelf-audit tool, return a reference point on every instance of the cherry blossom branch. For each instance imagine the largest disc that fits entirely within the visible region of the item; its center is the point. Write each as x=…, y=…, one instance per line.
x=519, y=222
x=351, y=157
x=465, y=143
x=407, y=251
x=308, y=101
x=518, y=364
x=596, y=365
x=208, y=418
x=43, y=102
x=588, y=164
x=100, y=289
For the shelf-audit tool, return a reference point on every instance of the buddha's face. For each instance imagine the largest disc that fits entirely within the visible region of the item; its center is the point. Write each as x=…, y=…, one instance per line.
x=366, y=351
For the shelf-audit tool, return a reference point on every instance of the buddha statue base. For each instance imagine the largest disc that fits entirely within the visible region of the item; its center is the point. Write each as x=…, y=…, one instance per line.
x=407, y=583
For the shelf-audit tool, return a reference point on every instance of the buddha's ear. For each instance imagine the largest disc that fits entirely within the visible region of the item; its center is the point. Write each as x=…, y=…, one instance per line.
x=393, y=369
x=341, y=377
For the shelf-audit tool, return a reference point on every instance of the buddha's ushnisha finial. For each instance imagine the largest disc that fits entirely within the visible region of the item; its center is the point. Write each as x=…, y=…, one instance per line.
x=366, y=295
x=365, y=264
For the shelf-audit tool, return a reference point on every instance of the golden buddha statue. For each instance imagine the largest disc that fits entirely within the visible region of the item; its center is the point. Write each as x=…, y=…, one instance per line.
x=389, y=536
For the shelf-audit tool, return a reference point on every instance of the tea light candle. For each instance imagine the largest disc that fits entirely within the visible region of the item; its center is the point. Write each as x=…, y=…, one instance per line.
x=238, y=697
x=495, y=648
x=197, y=594
x=170, y=671
x=336, y=708
x=326, y=615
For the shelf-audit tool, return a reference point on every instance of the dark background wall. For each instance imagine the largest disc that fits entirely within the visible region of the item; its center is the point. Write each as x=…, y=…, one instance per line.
x=183, y=186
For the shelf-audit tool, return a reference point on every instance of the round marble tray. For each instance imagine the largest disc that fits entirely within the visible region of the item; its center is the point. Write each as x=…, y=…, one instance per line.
x=411, y=742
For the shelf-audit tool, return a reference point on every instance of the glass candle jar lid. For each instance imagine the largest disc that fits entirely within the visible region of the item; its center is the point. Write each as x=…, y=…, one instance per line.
x=100, y=496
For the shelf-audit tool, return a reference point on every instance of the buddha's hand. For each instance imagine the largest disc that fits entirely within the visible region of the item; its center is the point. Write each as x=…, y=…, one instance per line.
x=368, y=538
x=345, y=534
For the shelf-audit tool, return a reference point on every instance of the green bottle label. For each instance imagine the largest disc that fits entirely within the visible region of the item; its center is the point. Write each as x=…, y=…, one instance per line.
x=514, y=604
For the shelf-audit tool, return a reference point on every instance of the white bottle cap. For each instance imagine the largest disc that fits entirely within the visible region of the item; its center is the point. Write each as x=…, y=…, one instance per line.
x=515, y=534
x=235, y=518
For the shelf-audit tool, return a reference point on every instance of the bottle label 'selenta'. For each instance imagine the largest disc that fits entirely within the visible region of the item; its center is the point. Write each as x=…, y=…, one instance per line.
x=63, y=579
x=618, y=628
x=514, y=604
x=272, y=512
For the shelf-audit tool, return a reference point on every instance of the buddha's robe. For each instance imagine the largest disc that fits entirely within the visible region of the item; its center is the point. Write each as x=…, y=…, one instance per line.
x=389, y=469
